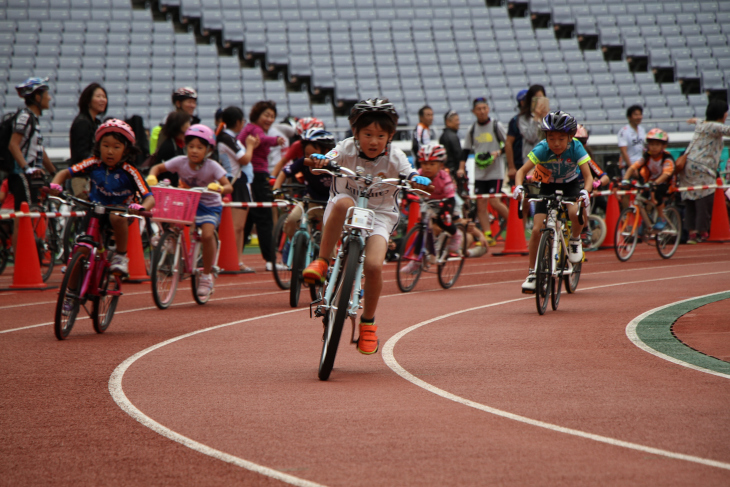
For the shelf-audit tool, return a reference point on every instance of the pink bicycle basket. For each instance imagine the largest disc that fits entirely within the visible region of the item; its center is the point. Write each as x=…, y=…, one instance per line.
x=175, y=205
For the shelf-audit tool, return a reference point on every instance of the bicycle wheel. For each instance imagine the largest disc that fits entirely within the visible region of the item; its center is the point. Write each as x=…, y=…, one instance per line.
x=4, y=255
x=165, y=273
x=315, y=290
x=571, y=280
x=282, y=273
x=299, y=247
x=338, y=311
x=104, y=305
x=46, y=242
x=410, y=263
x=544, y=272
x=597, y=228
x=70, y=231
x=667, y=240
x=556, y=286
x=451, y=260
x=197, y=270
x=147, y=233
x=625, y=236
x=70, y=288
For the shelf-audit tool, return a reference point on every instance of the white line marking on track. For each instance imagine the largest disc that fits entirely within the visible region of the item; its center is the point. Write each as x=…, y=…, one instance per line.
x=634, y=338
x=390, y=361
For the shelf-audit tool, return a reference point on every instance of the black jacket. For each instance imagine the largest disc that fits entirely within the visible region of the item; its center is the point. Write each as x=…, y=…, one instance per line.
x=81, y=137
x=451, y=142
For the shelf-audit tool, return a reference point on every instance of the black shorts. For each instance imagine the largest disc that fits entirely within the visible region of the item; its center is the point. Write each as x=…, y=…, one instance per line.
x=491, y=186
x=660, y=192
x=570, y=190
x=241, y=191
x=20, y=188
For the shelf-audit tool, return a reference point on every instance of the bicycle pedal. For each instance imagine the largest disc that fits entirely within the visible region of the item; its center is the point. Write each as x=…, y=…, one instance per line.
x=525, y=291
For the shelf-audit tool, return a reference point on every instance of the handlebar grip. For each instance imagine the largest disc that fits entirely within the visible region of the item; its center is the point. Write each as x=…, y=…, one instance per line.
x=519, y=208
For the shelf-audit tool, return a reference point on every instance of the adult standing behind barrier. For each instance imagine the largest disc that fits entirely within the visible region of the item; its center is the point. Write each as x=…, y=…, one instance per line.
x=513, y=144
x=92, y=104
x=529, y=122
x=423, y=134
x=703, y=159
x=451, y=142
x=631, y=138
x=261, y=117
x=185, y=100
x=171, y=142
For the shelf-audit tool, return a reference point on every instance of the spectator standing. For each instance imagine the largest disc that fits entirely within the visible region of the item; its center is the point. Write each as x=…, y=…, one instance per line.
x=92, y=104
x=262, y=116
x=423, y=134
x=296, y=150
x=513, y=144
x=529, y=122
x=484, y=139
x=703, y=160
x=172, y=142
x=277, y=151
x=631, y=138
x=451, y=142
x=185, y=100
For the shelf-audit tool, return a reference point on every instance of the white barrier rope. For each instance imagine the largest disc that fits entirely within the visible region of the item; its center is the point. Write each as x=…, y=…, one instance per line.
x=47, y=214
x=271, y=204
x=608, y=192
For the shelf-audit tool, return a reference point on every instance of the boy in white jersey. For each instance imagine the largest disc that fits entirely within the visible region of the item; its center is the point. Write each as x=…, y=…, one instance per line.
x=373, y=124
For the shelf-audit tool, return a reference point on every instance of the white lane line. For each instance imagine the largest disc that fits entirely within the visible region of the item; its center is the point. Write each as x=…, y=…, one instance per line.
x=634, y=337
x=389, y=358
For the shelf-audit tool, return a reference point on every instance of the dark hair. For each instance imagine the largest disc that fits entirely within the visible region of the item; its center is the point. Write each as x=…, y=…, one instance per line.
x=382, y=119
x=30, y=99
x=533, y=90
x=189, y=138
x=630, y=111
x=716, y=109
x=131, y=153
x=88, y=94
x=423, y=109
x=231, y=116
x=476, y=101
x=259, y=108
x=449, y=114
x=174, y=124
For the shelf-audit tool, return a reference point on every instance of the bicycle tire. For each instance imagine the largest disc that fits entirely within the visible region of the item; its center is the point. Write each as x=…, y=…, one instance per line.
x=46, y=244
x=556, y=287
x=70, y=231
x=598, y=232
x=4, y=256
x=667, y=240
x=410, y=250
x=315, y=290
x=63, y=324
x=198, y=260
x=543, y=272
x=336, y=316
x=625, y=235
x=281, y=276
x=571, y=280
x=163, y=277
x=448, y=279
x=299, y=247
x=104, y=305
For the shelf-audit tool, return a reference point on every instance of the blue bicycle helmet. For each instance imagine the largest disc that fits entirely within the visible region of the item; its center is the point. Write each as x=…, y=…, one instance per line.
x=560, y=121
x=31, y=85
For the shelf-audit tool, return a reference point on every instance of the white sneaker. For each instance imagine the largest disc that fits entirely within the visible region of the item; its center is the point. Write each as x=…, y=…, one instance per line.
x=119, y=264
x=279, y=267
x=530, y=283
x=411, y=267
x=205, y=285
x=477, y=251
x=575, y=251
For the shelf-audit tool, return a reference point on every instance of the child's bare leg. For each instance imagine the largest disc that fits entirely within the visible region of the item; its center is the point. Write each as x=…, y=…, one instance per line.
x=120, y=225
x=483, y=213
x=207, y=239
x=239, y=224
x=538, y=224
x=333, y=228
x=576, y=227
x=375, y=250
x=500, y=207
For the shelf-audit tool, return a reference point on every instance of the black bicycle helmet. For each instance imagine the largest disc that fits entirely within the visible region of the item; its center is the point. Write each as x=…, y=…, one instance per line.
x=373, y=105
x=560, y=121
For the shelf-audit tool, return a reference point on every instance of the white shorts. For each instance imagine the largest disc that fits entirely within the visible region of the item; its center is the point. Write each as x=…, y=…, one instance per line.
x=384, y=224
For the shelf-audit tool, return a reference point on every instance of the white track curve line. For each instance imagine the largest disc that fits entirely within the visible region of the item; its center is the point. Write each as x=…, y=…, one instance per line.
x=391, y=362
x=634, y=338
x=117, y=393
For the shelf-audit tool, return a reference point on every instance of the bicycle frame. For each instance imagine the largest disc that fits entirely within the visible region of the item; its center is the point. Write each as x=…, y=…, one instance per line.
x=554, y=224
x=188, y=253
x=429, y=243
x=305, y=228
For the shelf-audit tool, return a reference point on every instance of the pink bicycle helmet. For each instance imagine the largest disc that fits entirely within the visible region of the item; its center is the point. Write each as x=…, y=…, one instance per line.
x=432, y=152
x=581, y=133
x=115, y=126
x=202, y=132
x=306, y=123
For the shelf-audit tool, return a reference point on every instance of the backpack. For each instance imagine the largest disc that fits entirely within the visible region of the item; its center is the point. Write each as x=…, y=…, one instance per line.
x=7, y=162
x=497, y=133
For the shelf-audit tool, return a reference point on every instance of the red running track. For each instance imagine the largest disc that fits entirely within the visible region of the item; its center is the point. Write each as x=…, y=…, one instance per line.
x=248, y=392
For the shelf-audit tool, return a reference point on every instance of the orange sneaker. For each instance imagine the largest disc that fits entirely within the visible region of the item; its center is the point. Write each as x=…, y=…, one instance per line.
x=316, y=272
x=368, y=342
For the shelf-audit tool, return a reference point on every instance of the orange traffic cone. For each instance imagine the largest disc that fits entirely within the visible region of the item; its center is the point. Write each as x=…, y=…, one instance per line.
x=135, y=252
x=494, y=226
x=414, y=214
x=515, y=243
x=27, y=271
x=720, y=225
x=228, y=256
x=612, y=214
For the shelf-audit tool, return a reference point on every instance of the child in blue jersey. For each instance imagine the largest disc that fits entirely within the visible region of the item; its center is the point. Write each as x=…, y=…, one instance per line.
x=114, y=182
x=558, y=163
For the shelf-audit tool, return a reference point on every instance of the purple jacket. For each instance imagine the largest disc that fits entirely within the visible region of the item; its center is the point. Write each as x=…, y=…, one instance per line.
x=260, y=157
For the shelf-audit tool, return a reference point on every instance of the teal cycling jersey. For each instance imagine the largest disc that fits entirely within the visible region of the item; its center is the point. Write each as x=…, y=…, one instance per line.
x=553, y=168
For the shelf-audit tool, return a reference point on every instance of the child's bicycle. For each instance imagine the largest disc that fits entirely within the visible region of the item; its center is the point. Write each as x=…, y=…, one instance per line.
x=281, y=271
x=637, y=222
x=87, y=276
x=178, y=252
x=342, y=290
x=552, y=265
x=420, y=249
x=303, y=248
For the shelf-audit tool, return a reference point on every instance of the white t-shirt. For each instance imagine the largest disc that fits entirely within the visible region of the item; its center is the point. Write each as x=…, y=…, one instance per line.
x=389, y=165
x=276, y=150
x=633, y=140
x=225, y=151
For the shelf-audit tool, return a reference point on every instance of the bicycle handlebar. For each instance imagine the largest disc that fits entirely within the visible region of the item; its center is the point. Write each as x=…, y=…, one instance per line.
x=90, y=204
x=343, y=172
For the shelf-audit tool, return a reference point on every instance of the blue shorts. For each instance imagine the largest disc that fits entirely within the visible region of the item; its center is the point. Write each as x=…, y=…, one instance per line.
x=208, y=214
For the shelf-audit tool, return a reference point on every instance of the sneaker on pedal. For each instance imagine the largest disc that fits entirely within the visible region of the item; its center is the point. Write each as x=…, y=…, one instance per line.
x=454, y=246
x=205, y=285
x=119, y=264
x=368, y=342
x=411, y=267
x=530, y=283
x=660, y=225
x=316, y=272
x=575, y=251
x=68, y=306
